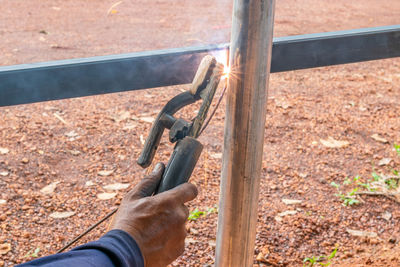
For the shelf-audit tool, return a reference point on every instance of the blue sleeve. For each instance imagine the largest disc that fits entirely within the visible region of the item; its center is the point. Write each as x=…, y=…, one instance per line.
x=116, y=248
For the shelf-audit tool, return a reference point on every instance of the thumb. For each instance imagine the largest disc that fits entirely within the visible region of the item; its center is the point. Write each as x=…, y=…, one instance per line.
x=148, y=184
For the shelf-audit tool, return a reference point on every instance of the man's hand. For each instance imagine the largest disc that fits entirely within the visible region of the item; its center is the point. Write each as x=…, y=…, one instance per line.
x=157, y=223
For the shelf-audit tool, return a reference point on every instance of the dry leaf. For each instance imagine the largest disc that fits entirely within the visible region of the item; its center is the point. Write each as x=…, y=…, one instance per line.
x=71, y=134
x=124, y=115
x=387, y=215
x=189, y=240
x=5, y=248
x=193, y=231
x=314, y=143
x=287, y=212
x=376, y=137
x=216, y=155
x=129, y=127
x=332, y=143
x=212, y=243
x=3, y=201
x=278, y=217
x=291, y=201
x=303, y=175
x=141, y=139
x=105, y=196
x=384, y=161
x=262, y=256
x=4, y=173
x=4, y=150
x=147, y=119
x=361, y=233
x=49, y=189
x=116, y=186
x=89, y=183
x=62, y=215
x=281, y=103
x=105, y=172
x=74, y=152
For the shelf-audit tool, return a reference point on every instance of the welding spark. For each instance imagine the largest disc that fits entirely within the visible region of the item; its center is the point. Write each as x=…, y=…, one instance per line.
x=226, y=72
x=222, y=57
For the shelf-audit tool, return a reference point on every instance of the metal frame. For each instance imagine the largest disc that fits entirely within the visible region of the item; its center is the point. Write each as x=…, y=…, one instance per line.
x=28, y=83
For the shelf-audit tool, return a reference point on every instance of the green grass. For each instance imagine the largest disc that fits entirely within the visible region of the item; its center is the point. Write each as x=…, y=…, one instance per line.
x=320, y=260
x=397, y=148
x=196, y=213
x=33, y=253
x=347, y=198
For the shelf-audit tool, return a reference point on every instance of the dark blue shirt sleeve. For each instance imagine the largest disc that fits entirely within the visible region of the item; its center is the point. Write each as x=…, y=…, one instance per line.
x=115, y=249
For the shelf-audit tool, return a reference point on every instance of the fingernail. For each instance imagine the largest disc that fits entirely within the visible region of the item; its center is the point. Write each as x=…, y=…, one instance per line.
x=157, y=168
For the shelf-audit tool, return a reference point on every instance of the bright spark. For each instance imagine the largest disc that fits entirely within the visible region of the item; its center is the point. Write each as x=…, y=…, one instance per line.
x=222, y=57
x=226, y=72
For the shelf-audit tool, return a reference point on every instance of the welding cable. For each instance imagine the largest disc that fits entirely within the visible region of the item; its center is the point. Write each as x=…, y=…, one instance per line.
x=88, y=230
x=214, y=110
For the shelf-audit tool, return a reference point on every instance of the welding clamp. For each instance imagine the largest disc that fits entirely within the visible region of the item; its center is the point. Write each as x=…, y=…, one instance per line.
x=187, y=149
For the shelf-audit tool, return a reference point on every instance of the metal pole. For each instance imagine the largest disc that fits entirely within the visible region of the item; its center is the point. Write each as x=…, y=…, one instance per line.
x=250, y=60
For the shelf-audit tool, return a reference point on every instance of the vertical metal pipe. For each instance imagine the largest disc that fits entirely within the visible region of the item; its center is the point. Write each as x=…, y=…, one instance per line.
x=250, y=60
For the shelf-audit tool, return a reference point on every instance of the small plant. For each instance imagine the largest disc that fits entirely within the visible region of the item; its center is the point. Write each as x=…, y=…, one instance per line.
x=375, y=176
x=212, y=210
x=392, y=183
x=33, y=253
x=348, y=198
x=320, y=260
x=378, y=185
x=196, y=213
x=397, y=148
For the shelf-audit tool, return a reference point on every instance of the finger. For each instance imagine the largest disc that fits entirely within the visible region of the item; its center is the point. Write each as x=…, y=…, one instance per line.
x=186, y=211
x=180, y=194
x=148, y=184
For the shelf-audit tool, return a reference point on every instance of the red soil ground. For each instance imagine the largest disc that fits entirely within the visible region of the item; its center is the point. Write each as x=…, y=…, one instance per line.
x=349, y=103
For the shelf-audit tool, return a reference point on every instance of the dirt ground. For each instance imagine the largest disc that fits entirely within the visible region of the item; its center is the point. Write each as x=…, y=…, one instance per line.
x=78, y=146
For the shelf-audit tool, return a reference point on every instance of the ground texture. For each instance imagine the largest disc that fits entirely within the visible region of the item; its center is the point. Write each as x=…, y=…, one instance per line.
x=322, y=126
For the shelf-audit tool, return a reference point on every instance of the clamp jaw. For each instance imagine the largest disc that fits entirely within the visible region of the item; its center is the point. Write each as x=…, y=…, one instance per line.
x=187, y=149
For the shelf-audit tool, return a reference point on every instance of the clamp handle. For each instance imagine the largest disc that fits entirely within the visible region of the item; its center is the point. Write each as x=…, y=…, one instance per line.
x=181, y=164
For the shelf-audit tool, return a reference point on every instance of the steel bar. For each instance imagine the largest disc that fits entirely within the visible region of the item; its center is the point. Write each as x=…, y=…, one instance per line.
x=333, y=48
x=36, y=82
x=250, y=61
x=28, y=83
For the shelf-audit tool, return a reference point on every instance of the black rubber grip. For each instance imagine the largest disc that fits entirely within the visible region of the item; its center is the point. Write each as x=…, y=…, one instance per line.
x=181, y=164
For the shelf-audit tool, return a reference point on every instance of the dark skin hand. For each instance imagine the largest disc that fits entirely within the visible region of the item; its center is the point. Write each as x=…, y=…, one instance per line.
x=157, y=223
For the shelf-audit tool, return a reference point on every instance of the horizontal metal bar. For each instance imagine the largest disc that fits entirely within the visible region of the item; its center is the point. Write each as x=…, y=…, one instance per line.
x=28, y=83
x=333, y=48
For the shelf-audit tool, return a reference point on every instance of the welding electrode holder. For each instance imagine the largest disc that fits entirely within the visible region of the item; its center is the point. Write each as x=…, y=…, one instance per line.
x=187, y=149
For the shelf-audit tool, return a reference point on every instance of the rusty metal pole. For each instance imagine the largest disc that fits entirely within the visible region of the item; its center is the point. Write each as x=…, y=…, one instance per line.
x=250, y=60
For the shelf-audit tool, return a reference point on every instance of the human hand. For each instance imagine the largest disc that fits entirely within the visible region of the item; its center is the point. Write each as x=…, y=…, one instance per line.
x=157, y=223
